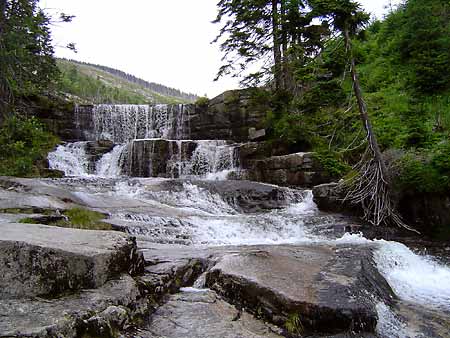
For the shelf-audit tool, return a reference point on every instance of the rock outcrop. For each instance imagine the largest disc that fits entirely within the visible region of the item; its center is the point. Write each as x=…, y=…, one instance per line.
x=202, y=313
x=229, y=116
x=45, y=261
x=324, y=287
x=298, y=169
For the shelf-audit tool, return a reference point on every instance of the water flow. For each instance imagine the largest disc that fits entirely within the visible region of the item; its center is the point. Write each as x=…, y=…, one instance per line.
x=414, y=278
x=211, y=159
x=110, y=165
x=70, y=158
x=123, y=123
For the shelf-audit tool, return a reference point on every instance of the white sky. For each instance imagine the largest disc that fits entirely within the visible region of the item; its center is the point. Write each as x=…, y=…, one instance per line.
x=162, y=41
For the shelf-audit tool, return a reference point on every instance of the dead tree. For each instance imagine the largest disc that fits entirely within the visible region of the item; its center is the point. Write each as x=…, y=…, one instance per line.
x=371, y=187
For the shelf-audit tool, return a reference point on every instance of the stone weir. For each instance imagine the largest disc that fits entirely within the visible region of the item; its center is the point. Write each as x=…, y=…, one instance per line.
x=219, y=139
x=228, y=117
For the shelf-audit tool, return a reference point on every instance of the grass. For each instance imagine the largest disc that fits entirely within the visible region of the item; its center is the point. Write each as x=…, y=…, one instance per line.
x=77, y=218
x=294, y=325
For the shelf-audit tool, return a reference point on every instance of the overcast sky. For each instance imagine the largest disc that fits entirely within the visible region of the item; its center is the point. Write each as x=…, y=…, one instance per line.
x=163, y=41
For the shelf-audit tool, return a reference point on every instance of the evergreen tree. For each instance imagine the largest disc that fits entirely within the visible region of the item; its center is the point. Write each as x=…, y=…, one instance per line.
x=273, y=35
x=372, y=187
x=27, y=65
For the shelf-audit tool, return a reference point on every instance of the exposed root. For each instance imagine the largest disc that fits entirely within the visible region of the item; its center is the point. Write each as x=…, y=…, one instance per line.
x=372, y=190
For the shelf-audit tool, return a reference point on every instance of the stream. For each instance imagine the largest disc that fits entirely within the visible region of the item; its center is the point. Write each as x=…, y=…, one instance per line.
x=197, y=205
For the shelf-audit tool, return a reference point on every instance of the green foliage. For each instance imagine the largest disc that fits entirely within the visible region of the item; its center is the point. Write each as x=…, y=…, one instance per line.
x=23, y=142
x=294, y=325
x=27, y=220
x=78, y=218
x=202, y=102
x=81, y=218
x=332, y=163
x=426, y=170
x=93, y=89
x=98, y=84
x=27, y=65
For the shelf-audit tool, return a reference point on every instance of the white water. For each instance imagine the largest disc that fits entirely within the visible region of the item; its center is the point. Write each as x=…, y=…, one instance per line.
x=414, y=278
x=200, y=217
x=152, y=127
x=70, y=158
x=212, y=159
x=110, y=165
x=123, y=123
x=389, y=325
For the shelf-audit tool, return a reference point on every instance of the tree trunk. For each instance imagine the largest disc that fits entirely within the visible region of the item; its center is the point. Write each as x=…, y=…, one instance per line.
x=4, y=87
x=373, y=143
x=277, y=56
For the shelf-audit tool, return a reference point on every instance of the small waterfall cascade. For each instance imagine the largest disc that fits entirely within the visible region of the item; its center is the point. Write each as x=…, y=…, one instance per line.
x=151, y=141
x=70, y=158
x=179, y=158
x=123, y=123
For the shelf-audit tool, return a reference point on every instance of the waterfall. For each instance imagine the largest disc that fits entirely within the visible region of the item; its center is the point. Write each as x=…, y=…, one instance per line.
x=179, y=158
x=70, y=158
x=151, y=141
x=123, y=123
x=110, y=165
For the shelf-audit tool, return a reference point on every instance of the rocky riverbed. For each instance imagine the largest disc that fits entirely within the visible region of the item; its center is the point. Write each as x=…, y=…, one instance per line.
x=200, y=258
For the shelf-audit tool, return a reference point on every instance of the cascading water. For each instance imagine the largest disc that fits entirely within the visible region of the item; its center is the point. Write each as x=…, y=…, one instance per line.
x=110, y=165
x=123, y=123
x=153, y=142
x=70, y=158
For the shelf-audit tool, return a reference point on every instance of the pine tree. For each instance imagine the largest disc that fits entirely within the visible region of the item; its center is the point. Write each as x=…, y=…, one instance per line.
x=27, y=65
x=271, y=35
x=372, y=187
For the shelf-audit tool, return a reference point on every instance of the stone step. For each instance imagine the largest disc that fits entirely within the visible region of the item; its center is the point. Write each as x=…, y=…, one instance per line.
x=90, y=313
x=327, y=289
x=199, y=314
x=40, y=260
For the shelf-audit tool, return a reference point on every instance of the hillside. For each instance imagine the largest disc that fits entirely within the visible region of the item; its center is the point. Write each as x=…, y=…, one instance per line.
x=89, y=83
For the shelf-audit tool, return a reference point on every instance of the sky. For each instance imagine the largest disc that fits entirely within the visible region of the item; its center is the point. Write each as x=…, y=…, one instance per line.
x=162, y=41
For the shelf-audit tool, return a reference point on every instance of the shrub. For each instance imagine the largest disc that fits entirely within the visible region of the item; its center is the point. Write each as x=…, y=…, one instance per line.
x=332, y=163
x=23, y=142
x=202, y=102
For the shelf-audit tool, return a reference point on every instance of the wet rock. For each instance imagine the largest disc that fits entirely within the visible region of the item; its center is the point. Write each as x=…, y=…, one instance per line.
x=156, y=157
x=330, y=197
x=168, y=277
x=97, y=312
x=331, y=289
x=298, y=169
x=201, y=313
x=39, y=260
x=246, y=196
x=50, y=173
x=227, y=117
x=95, y=150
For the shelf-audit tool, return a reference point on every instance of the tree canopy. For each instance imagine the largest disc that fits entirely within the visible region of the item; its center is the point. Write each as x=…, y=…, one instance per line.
x=27, y=64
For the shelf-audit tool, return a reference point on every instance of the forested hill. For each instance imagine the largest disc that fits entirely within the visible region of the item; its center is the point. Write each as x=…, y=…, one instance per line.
x=90, y=83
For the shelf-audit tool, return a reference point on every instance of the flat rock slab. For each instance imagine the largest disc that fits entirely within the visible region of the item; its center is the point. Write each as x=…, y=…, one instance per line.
x=109, y=305
x=200, y=314
x=330, y=289
x=40, y=260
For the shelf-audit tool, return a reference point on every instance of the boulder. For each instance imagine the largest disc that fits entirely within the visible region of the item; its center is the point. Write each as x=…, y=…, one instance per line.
x=89, y=313
x=298, y=169
x=201, y=313
x=325, y=287
x=330, y=197
x=40, y=260
x=227, y=117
